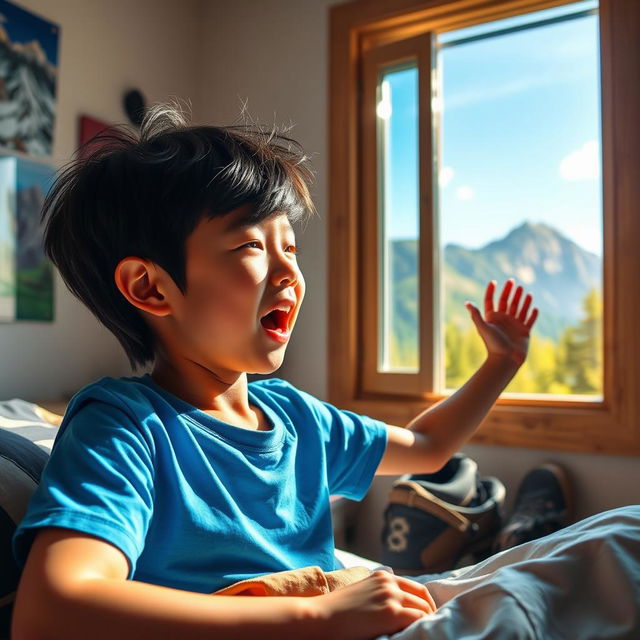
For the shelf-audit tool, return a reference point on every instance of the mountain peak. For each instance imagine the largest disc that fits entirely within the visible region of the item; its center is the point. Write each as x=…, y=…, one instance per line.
x=528, y=228
x=555, y=270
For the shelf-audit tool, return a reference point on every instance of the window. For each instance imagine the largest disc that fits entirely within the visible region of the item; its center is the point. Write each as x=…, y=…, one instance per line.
x=462, y=134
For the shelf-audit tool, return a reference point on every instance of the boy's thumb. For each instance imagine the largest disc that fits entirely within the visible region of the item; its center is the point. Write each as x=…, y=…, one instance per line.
x=475, y=314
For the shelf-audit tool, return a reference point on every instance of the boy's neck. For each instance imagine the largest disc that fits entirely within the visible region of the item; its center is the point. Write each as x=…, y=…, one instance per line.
x=227, y=400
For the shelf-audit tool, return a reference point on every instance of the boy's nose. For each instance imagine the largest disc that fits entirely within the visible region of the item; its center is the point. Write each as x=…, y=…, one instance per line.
x=286, y=270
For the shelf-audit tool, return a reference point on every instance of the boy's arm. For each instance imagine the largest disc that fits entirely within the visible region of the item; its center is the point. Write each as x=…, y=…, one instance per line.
x=437, y=433
x=74, y=586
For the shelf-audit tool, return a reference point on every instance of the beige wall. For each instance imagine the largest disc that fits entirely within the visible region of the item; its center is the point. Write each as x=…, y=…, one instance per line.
x=106, y=47
x=219, y=53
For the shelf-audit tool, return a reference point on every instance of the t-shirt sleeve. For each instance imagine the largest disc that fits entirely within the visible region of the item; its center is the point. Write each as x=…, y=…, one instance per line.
x=98, y=480
x=354, y=443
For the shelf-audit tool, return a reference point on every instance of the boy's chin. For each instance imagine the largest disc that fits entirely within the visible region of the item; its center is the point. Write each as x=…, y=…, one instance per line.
x=269, y=366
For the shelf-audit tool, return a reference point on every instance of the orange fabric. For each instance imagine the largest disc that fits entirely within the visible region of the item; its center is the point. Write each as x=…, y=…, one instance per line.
x=308, y=581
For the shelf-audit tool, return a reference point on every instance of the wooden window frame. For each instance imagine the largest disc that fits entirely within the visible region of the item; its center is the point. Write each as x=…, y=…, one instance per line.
x=358, y=31
x=414, y=49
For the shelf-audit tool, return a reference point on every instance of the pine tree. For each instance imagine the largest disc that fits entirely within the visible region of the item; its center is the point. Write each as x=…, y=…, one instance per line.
x=580, y=350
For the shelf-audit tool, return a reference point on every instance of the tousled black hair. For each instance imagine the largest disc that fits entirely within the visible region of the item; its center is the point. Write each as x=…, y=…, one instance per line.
x=129, y=193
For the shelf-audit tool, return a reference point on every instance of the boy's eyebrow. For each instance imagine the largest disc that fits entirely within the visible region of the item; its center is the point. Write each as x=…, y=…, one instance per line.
x=240, y=223
x=237, y=224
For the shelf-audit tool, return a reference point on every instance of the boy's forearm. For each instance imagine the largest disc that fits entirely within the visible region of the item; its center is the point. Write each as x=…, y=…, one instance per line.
x=106, y=608
x=451, y=422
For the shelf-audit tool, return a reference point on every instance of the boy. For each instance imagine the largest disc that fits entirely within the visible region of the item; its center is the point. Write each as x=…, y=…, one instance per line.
x=166, y=487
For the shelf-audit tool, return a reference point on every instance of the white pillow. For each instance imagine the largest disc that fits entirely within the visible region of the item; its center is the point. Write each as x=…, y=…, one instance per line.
x=27, y=419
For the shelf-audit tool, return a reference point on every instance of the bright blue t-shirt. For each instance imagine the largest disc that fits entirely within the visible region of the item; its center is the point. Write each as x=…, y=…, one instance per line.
x=195, y=503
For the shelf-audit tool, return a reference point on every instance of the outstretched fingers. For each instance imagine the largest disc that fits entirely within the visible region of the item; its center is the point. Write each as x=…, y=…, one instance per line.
x=504, y=296
x=488, y=298
x=532, y=318
x=507, y=304
x=522, y=316
x=513, y=307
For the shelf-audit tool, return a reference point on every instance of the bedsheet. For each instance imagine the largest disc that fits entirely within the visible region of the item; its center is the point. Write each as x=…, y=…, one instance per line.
x=580, y=582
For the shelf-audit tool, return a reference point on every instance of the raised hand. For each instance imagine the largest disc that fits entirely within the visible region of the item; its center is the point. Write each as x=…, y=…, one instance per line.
x=505, y=330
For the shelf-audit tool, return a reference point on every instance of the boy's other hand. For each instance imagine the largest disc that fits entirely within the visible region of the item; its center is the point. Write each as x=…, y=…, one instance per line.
x=505, y=330
x=381, y=603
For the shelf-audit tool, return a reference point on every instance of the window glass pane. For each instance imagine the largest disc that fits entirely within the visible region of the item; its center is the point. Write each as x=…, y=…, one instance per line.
x=520, y=192
x=397, y=113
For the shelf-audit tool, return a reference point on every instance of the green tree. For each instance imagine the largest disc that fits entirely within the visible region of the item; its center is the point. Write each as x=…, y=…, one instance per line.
x=580, y=354
x=538, y=374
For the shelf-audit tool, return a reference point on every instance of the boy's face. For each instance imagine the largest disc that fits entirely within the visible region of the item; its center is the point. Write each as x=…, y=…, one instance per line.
x=234, y=277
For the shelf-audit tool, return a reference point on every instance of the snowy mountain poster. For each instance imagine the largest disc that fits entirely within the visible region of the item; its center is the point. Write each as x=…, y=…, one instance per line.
x=28, y=77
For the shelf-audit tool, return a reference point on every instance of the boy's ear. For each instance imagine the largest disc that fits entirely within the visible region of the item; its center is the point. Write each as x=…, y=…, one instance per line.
x=144, y=285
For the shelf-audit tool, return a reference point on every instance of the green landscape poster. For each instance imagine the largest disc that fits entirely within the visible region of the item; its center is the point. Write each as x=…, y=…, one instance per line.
x=26, y=275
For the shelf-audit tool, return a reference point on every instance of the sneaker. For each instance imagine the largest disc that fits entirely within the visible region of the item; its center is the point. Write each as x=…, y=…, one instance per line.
x=434, y=520
x=543, y=505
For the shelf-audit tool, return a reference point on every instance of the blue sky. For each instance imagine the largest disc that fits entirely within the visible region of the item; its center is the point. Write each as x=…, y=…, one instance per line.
x=520, y=136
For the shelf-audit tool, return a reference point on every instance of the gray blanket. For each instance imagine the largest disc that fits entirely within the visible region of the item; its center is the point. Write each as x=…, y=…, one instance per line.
x=578, y=583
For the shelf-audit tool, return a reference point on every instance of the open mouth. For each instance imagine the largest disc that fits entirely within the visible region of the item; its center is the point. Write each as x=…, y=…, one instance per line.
x=276, y=320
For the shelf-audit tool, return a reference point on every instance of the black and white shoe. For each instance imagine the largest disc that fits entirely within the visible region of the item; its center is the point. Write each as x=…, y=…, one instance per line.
x=435, y=521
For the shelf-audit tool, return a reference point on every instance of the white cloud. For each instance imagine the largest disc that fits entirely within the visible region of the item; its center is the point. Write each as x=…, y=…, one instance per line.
x=465, y=193
x=582, y=164
x=445, y=177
